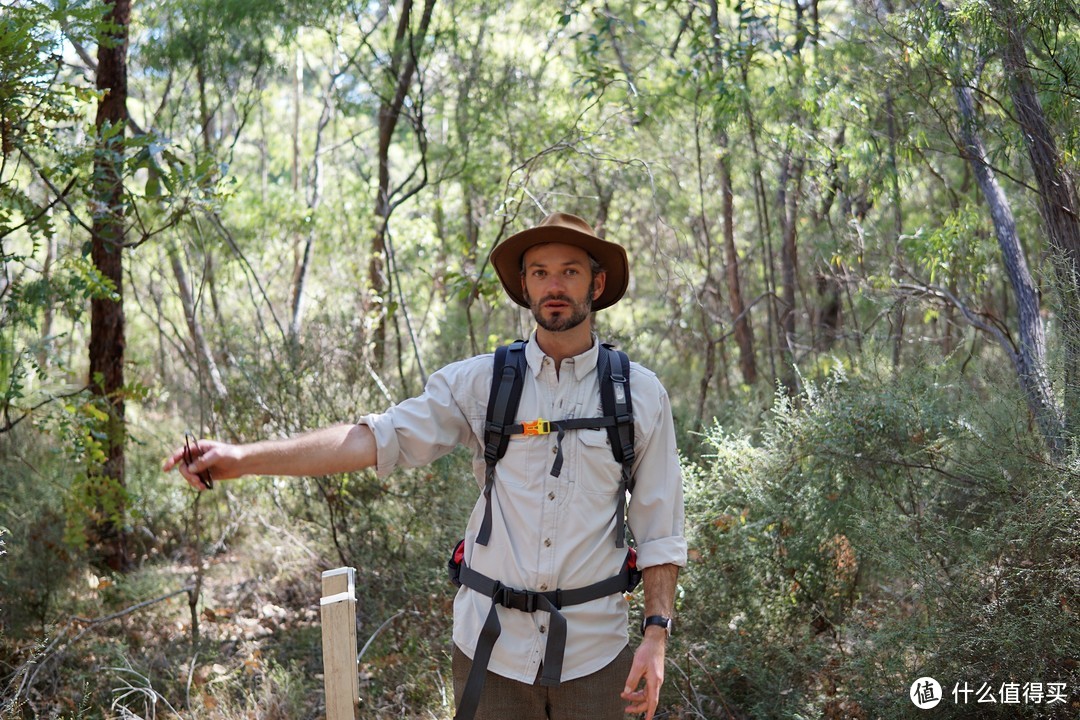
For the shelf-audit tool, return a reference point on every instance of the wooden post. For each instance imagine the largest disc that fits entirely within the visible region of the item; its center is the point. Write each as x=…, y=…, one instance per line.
x=338, y=610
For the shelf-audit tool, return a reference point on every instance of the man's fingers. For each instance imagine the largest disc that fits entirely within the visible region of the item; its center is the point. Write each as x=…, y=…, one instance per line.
x=202, y=457
x=637, y=672
x=170, y=462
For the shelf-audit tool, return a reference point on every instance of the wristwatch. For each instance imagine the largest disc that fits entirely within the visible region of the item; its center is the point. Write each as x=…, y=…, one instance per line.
x=664, y=622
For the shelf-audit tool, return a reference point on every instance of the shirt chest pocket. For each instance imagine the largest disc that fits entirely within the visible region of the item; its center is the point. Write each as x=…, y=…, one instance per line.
x=527, y=460
x=597, y=472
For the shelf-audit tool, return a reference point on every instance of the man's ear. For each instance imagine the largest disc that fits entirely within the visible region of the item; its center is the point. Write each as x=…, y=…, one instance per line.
x=599, y=283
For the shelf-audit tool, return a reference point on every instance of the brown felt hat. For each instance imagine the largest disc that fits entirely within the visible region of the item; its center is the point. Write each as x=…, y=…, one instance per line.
x=568, y=230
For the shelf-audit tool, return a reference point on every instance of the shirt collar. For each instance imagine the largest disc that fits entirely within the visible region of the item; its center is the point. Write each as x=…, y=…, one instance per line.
x=583, y=364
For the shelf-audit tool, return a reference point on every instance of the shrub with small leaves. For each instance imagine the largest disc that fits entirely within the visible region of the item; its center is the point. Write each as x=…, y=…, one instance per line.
x=882, y=527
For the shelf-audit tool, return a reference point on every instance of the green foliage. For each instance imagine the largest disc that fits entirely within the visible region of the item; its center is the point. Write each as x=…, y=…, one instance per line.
x=894, y=518
x=881, y=529
x=38, y=565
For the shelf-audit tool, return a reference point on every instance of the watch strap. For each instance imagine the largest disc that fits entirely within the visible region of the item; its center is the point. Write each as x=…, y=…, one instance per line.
x=662, y=621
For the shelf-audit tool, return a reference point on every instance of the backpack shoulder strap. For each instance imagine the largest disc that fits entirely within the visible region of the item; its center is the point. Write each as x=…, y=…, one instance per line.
x=507, y=380
x=613, y=368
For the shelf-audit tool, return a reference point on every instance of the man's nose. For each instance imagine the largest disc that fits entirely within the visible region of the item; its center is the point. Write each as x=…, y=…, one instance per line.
x=555, y=285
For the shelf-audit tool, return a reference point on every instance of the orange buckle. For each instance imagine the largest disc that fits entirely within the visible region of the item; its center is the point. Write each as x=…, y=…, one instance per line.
x=539, y=426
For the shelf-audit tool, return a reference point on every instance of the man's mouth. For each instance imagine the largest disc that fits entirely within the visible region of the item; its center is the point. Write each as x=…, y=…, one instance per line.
x=556, y=304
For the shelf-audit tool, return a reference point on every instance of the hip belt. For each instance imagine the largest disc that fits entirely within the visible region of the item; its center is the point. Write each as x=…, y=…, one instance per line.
x=528, y=601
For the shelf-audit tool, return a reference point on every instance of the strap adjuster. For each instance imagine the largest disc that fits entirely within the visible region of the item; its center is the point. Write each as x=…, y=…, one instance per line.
x=508, y=597
x=539, y=426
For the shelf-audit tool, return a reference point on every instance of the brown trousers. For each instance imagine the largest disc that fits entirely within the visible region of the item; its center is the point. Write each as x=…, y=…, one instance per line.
x=593, y=697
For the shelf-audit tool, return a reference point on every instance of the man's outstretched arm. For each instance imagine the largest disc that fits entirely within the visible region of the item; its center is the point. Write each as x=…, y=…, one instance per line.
x=334, y=449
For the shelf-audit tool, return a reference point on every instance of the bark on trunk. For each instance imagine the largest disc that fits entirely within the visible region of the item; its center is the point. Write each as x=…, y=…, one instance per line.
x=208, y=369
x=788, y=205
x=1058, y=205
x=107, y=313
x=402, y=68
x=744, y=333
x=1030, y=359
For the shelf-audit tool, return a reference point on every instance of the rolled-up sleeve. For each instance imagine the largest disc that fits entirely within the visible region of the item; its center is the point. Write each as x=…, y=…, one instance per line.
x=422, y=429
x=656, y=513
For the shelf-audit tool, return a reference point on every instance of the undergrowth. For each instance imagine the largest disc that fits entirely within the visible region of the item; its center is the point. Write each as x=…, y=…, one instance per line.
x=876, y=529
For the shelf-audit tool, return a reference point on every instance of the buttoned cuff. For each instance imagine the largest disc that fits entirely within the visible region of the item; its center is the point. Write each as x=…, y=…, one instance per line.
x=664, y=551
x=387, y=450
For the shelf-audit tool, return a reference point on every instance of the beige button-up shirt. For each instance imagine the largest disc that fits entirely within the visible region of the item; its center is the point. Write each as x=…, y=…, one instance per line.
x=547, y=532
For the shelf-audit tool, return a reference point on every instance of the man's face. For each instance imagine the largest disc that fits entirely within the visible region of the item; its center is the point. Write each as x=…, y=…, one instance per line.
x=559, y=285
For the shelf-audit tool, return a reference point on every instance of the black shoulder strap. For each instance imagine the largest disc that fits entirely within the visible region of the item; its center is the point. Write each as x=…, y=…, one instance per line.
x=507, y=380
x=506, y=383
x=613, y=368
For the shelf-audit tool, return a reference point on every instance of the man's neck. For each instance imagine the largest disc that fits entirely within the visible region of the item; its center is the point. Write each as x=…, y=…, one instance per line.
x=565, y=344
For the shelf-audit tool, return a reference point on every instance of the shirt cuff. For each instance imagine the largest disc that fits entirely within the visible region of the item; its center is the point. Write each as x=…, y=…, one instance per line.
x=387, y=450
x=664, y=551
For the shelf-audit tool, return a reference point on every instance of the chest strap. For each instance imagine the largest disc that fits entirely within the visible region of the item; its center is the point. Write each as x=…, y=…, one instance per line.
x=528, y=601
x=613, y=369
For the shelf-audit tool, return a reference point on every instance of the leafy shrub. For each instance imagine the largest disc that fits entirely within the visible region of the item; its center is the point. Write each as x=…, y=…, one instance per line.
x=880, y=529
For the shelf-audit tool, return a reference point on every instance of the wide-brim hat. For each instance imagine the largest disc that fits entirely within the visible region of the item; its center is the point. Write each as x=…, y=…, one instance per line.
x=568, y=230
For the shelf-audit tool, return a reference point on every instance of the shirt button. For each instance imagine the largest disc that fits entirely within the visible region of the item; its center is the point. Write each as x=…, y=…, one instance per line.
x=543, y=629
x=543, y=588
x=551, y=495
x=547, y=542
x=555, y=450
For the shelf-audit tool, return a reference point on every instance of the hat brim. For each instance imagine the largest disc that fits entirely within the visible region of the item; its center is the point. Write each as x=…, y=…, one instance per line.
x=506, y=259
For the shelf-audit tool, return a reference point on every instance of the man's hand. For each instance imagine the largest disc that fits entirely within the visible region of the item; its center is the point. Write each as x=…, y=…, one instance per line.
x=221, y=459
x=648, y=666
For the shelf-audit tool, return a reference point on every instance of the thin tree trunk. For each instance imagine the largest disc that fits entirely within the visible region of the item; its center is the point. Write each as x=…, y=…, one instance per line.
x=1030, y=360
x=402, y=68
x=764, y=226
x=788, y=205
x=107, y=313
x=301, y=250
x=314, y=201
x=789, y=196
x=744, y=334
x=204, y=109
x=1058, y=204
x=48, y=313
x=207, y=366
x=898, y=313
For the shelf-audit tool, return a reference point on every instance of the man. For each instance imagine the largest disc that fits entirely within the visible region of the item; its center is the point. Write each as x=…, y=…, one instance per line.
x=548, y=525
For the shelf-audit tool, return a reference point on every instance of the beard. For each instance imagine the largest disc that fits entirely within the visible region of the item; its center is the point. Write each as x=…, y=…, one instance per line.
x=563, y=320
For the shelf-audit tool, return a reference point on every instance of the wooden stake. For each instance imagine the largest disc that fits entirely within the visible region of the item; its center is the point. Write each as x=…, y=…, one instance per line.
x=338, y=610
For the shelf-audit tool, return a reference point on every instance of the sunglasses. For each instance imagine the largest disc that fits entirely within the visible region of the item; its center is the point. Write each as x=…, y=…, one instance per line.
x=189, y=440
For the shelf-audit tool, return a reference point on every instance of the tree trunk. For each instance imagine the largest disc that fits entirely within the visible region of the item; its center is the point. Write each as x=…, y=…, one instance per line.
x=1030, y=359
x=787, y=206
x=761, y=212
x=44, y=356
x=209, y=375
x=402, y=68
x=744, y=333
x=301, y=257
x=1058, y=205
x=107, y=341
x=898, y=315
